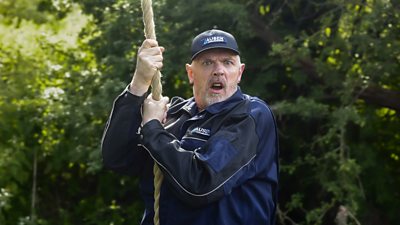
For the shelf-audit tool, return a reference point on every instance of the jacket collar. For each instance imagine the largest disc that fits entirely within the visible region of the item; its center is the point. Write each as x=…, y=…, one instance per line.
x=190, y=107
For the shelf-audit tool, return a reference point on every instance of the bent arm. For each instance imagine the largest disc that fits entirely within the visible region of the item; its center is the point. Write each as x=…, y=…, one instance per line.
x=120, y=140
x=210, y=172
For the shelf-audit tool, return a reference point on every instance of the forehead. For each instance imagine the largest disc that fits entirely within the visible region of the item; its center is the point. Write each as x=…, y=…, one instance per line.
x=216, y=53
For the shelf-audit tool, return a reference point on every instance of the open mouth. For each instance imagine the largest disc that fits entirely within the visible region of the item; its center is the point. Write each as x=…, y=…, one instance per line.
x=217, y=86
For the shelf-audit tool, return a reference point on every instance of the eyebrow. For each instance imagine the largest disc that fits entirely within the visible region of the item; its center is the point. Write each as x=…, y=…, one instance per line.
x=205, y=58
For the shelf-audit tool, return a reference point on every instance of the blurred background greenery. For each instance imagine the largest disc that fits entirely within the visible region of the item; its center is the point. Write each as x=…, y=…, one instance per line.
x=329, y=70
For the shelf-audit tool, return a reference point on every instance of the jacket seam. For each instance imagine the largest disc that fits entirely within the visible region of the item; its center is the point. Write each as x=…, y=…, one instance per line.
x=194, y=138
x=191, y=193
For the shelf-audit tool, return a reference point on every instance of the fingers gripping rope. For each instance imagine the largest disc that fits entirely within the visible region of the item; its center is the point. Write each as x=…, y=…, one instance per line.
x=156, y=90
x=150, y=33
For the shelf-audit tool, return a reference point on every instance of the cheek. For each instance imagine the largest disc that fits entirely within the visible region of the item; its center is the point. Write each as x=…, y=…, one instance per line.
x=200, y=82
x=234, y=81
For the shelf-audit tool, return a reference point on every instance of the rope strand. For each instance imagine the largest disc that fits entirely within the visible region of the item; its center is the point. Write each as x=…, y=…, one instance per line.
x=150, y=33
x=156, y=89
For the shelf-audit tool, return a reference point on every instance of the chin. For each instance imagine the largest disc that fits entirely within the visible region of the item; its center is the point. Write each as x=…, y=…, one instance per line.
x=214, y=99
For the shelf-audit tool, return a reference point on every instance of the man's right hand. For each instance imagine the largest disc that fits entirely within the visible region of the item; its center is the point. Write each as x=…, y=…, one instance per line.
x=149, y=61
x=153, y=109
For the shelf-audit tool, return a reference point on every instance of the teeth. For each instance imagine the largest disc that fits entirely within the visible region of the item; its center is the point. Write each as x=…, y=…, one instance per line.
x=218, y=84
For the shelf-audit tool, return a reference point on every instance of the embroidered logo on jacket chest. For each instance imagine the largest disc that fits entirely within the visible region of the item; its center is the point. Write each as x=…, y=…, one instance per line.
x=201, y=130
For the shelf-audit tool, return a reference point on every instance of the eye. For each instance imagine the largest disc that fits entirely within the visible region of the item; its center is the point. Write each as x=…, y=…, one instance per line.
x=207, y=62
x=228, y=62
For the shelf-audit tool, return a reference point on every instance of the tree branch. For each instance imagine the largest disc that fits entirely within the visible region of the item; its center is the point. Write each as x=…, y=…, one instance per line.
x=382, y=97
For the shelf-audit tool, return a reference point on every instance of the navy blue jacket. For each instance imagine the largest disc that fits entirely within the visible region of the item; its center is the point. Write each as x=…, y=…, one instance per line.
x=220, y=165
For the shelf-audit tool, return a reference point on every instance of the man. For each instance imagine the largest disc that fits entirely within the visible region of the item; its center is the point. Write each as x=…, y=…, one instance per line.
x=218, y=150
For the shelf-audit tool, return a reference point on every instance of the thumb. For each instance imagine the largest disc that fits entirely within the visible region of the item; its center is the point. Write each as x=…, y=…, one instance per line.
x=165, y=99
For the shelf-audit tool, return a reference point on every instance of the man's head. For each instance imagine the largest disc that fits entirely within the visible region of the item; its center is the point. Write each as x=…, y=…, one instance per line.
x=211, y=39
x=215, y=70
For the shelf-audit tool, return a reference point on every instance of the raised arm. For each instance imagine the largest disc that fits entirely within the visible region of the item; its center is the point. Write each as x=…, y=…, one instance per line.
x=120, y=140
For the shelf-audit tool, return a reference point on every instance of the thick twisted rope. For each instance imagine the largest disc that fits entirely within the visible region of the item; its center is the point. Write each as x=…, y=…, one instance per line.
x=156, y=90
x=150, y=33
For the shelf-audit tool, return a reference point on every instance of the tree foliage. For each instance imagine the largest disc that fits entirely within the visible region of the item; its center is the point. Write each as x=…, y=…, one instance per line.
x=329, y=69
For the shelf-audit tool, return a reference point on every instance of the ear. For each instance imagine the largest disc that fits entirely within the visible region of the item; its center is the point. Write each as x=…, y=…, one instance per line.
x=189, y=72
x=241, y=69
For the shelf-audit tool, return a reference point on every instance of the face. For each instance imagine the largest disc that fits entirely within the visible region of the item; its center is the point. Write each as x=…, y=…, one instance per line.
x=215, y=75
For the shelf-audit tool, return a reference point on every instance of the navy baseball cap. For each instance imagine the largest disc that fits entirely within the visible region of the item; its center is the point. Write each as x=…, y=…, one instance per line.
x=212, y=39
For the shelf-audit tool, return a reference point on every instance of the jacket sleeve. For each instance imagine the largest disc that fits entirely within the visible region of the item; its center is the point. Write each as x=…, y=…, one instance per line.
x=210, y=172
x=120, y=151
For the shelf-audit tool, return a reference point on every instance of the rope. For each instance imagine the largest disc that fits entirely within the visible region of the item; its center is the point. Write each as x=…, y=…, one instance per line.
x=156, y=90
x=150, y=33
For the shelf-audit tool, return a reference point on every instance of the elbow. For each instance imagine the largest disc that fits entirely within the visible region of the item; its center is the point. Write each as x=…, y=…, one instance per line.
x=122, y=160
x=106, y=155
x=108, y=159
x=118, y=167
x=112, y=161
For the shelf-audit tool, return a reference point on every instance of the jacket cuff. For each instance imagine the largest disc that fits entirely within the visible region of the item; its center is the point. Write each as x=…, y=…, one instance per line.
x=150, y=127
x=126, y=97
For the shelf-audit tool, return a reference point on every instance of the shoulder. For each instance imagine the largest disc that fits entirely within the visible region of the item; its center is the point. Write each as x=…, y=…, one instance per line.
x=258, y=108
x=261, y=114
x=263, y=117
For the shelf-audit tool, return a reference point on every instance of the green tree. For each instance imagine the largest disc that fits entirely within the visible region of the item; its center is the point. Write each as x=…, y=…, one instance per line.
x=329, y=69
x=54, y=100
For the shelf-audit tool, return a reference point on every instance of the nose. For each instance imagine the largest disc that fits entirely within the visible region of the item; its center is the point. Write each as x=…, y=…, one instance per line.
x=218, y=70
